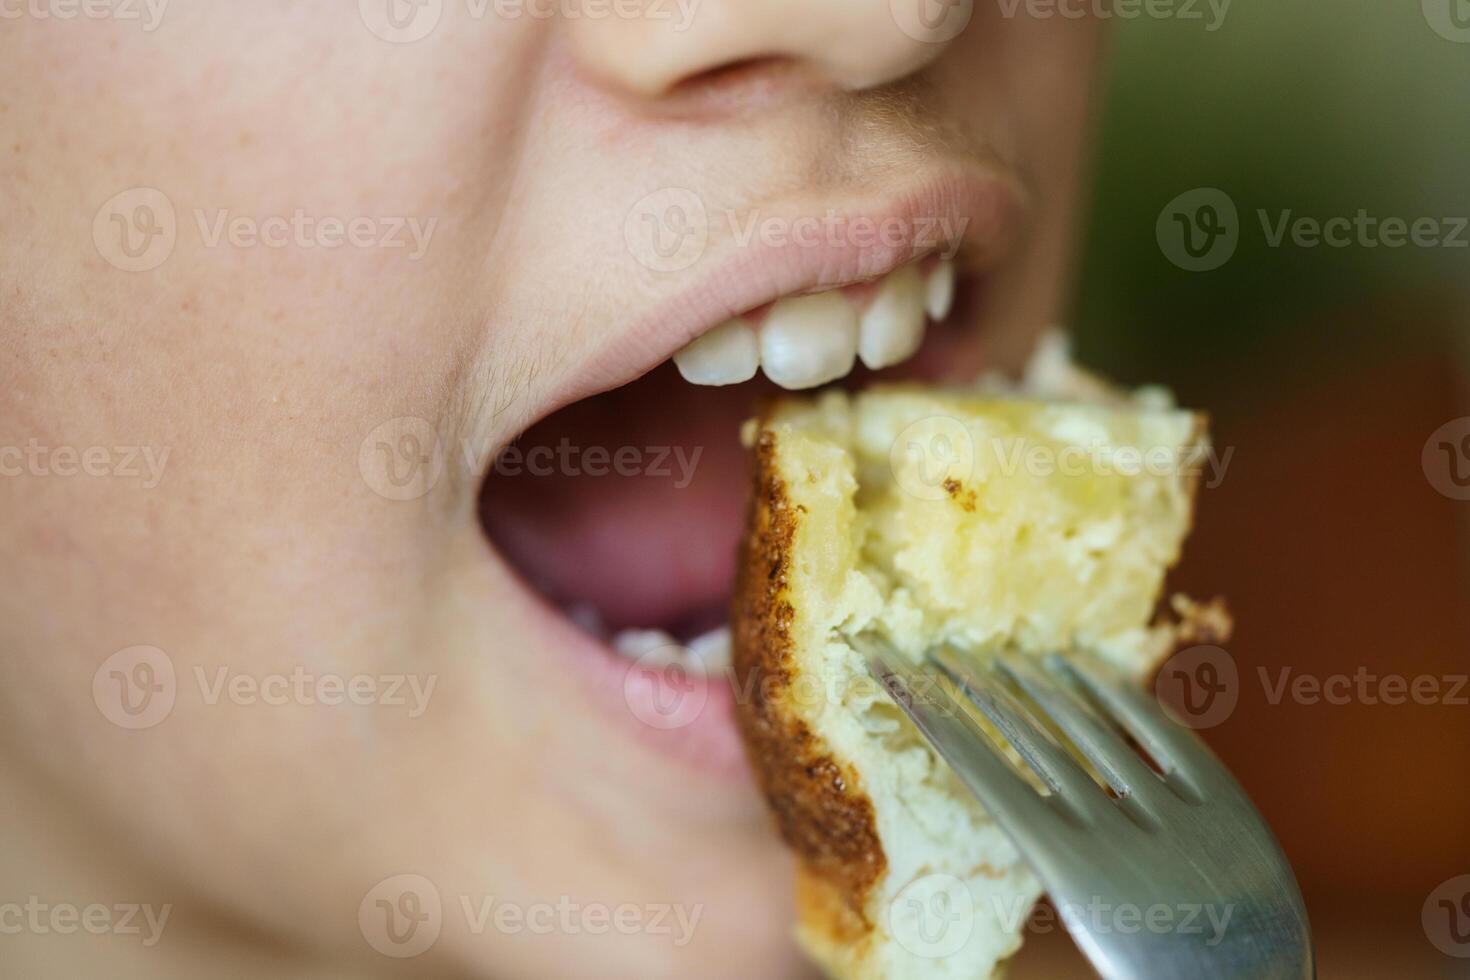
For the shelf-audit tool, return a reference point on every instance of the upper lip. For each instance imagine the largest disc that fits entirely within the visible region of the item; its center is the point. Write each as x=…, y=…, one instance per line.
x=983, y=204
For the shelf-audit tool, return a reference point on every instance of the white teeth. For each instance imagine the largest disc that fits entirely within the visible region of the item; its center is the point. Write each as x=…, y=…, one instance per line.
x=637, y=643
x=892, y=327
x=939, y=290
x=703, y=656
x=712, y=650
x=727, y=355
x=809, y=340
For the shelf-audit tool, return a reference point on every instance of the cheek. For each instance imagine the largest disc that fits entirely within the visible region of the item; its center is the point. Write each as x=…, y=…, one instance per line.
x=320, y=196
x=256, y=180
x=1024, y=83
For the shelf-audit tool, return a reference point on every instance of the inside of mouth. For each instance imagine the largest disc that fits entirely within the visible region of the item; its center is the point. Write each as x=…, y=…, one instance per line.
x=624, y=509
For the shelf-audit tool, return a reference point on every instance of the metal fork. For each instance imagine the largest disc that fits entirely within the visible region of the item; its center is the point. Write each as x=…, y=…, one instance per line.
x=1172, y=874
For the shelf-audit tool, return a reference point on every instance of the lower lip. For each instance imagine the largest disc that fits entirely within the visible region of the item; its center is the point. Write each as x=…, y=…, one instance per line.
x=687, y=717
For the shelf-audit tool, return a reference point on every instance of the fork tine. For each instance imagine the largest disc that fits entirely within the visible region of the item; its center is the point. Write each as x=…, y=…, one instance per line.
x=1217, y=854
x=1029, y=818
x=1099, y=742
x=1015, y=723
x=1178, y=752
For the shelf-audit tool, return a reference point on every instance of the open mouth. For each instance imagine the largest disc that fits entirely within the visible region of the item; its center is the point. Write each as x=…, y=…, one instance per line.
x=621, y=512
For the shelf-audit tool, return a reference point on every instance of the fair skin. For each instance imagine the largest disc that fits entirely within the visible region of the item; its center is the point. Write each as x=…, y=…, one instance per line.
x=268, y=545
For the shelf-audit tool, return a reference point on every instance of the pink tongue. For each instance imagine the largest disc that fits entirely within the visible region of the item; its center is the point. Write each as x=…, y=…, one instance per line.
x=650, y=546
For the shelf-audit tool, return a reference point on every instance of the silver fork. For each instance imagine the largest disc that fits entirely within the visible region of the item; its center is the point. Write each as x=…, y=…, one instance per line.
x=1172, y=874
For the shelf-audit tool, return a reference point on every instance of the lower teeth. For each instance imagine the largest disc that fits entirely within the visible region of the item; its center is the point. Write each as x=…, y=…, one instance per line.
x=705, y=655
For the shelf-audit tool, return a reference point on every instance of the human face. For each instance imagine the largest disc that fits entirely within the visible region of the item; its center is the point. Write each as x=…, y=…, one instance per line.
x=252, y=252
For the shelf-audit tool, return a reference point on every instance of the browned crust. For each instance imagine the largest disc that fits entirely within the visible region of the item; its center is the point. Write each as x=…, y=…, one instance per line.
x=821, y=809
x=954, y=488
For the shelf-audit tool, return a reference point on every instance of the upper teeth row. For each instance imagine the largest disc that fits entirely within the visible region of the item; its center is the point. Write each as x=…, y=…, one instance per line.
x=810, y=340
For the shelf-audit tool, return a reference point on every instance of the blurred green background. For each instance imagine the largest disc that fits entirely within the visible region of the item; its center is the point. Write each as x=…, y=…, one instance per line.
x=1323, y=107
x=1326, y=370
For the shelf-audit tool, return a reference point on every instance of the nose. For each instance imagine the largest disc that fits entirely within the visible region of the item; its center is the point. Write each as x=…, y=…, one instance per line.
x=650, y=46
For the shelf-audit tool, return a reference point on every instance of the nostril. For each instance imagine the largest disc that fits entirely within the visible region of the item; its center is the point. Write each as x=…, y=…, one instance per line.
x=740, y=84
x=735, y=72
